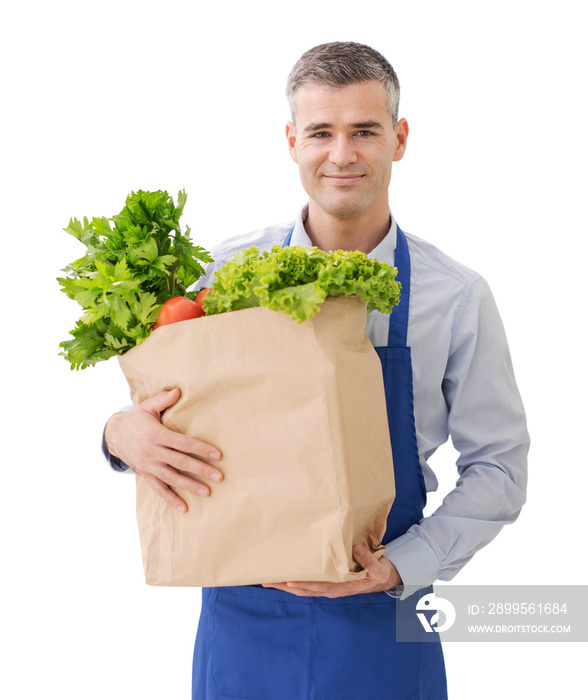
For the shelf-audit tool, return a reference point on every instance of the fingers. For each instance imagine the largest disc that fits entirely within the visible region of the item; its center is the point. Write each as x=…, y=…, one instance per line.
x=381, y=576
x=163, y=479
x=325, y=589
x=188, y=445
x=365, y=558
x=166, y=493
x=316, y=590
x=380, y=571
x=178, y=480
x=175, y=468
x=156, y=405
x=167, y=459
x=178, y=453
x=307, y=589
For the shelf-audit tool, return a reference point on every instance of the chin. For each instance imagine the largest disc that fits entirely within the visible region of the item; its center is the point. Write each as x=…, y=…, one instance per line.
x=346, y=210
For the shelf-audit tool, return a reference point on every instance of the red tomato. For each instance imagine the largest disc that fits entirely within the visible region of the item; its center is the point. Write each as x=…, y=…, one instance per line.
x=178, y=309
x=200, y=297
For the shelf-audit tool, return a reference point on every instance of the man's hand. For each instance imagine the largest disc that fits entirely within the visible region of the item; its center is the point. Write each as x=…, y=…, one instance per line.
x=381, y=576
x=141, y=441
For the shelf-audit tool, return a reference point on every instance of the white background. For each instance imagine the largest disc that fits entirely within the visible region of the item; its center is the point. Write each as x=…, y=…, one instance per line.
x=99, y=99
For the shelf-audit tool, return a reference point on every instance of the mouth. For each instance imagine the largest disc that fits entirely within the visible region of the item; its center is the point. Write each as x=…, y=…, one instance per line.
x=345, y=180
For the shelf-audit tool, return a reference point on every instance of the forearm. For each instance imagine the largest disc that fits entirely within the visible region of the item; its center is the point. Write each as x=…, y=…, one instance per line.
x=484, y=500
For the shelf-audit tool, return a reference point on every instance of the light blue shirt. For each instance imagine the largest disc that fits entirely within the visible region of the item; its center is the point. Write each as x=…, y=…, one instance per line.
x=464, y=387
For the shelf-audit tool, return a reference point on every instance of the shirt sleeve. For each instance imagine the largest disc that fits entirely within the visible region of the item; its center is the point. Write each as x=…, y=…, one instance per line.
x=487, y=425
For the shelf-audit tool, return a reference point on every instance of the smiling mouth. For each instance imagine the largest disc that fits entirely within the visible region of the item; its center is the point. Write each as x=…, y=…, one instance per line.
x=349, y=179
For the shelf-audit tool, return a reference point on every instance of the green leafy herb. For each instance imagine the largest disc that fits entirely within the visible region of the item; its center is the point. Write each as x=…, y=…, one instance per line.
x=129, y=270
x=298, y=279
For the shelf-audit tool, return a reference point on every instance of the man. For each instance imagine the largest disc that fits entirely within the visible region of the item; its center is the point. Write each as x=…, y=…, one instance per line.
x=446, y=370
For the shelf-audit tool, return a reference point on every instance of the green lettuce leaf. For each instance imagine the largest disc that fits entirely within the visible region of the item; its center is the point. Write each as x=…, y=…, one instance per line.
x=297, y=280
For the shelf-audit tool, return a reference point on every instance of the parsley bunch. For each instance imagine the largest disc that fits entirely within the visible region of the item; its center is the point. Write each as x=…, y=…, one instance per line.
x=297, y=279
x=129, y=270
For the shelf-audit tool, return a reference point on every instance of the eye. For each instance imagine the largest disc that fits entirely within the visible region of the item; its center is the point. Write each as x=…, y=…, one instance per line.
x=364, y=133
x=320, y=135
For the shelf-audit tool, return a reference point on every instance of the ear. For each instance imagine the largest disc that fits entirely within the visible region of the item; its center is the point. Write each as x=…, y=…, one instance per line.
x=291, y=137
x=401, y=138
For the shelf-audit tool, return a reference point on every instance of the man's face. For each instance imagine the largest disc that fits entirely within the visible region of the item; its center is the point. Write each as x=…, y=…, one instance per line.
x=344, y=142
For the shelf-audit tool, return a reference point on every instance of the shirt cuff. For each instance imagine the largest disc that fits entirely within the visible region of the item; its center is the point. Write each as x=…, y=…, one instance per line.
x=416, y=562
x=395, y=592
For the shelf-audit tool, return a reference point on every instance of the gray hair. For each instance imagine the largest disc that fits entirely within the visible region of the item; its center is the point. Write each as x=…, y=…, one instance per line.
x=342, y=63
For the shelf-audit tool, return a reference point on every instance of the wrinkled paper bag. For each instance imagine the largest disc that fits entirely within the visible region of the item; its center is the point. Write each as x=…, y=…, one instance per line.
x=299, y=414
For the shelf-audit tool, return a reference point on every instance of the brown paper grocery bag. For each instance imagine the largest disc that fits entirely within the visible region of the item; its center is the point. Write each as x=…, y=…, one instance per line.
x=299, y=413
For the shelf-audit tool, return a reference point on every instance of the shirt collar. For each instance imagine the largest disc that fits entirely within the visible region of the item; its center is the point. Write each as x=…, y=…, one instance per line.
x=383, y=251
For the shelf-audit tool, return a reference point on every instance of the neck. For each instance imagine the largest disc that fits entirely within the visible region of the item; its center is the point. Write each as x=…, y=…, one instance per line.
x=363, y=232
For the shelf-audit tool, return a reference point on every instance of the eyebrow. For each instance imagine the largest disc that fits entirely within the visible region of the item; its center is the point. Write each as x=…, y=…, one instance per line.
x=319, y=126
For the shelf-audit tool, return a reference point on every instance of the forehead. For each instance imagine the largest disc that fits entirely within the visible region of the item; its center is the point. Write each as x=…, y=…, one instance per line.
x=348, y=104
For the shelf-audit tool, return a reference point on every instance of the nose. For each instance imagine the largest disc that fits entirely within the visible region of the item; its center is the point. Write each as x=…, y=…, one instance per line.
x=342, y=152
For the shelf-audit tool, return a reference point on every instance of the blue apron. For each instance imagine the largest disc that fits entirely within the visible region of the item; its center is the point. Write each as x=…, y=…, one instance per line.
x=256, y=643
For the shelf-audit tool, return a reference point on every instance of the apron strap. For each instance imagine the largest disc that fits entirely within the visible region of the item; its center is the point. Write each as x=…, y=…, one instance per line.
x=397, y=332
x=288, y=240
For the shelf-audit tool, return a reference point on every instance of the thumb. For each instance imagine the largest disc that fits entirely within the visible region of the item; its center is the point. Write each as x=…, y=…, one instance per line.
x=376, y=568
x=364, y=557
x=157, y=404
